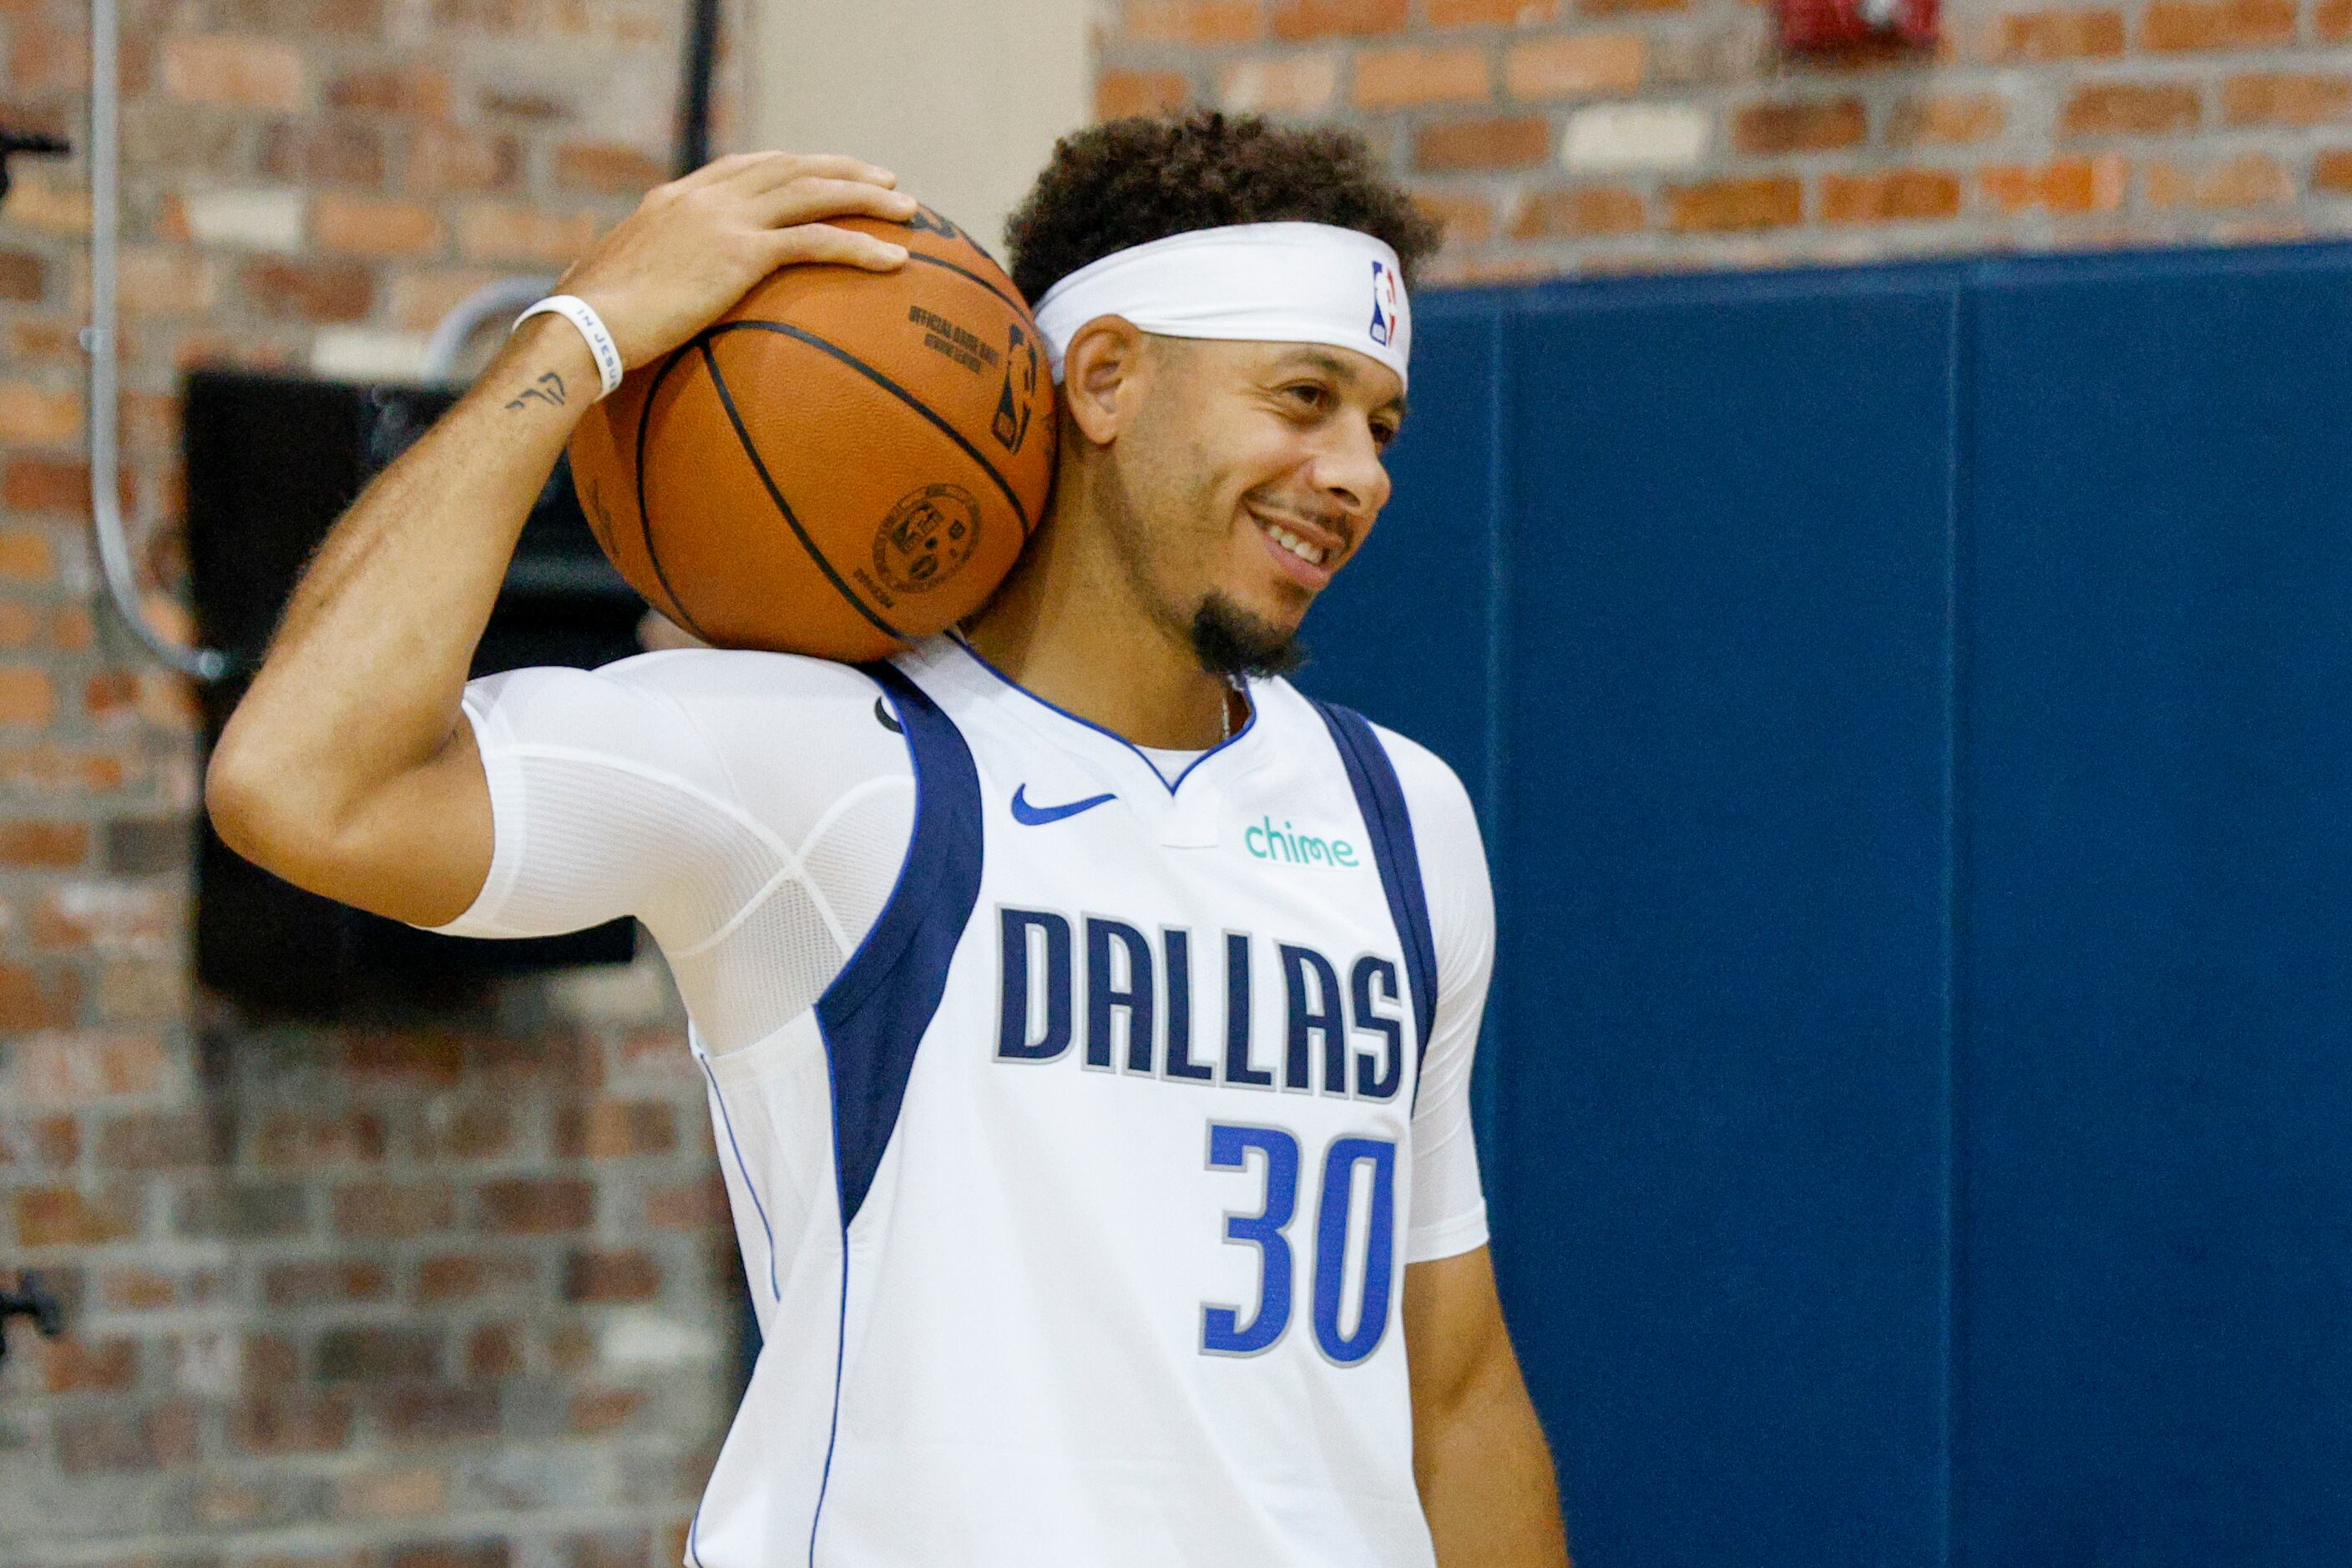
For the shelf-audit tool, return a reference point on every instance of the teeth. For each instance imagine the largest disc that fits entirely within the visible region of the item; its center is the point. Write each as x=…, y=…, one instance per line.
x=1311, y=554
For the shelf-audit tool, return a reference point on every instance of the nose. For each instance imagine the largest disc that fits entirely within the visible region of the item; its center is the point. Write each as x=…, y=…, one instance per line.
x=1348, y=470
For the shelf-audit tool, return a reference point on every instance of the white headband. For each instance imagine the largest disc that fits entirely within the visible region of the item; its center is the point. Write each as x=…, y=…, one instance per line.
x=1258, y=283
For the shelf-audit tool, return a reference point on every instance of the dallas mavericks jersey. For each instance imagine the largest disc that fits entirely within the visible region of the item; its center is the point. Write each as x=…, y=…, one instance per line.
x=1073, y=1209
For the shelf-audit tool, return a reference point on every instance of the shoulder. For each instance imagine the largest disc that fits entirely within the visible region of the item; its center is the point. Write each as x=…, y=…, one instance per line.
x=1433, y=792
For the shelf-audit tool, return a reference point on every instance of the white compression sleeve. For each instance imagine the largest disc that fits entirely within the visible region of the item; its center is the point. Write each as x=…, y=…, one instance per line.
x=1449, y=1203
x=752, y=809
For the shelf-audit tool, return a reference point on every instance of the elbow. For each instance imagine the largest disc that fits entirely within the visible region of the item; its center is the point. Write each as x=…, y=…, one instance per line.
x=249, y=816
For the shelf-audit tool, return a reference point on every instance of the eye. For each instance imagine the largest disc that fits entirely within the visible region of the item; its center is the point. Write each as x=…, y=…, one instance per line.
x=1311, y=394
x=1383, y=432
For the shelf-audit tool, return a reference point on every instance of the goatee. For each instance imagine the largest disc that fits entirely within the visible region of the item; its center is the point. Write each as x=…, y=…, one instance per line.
x=1230, y=641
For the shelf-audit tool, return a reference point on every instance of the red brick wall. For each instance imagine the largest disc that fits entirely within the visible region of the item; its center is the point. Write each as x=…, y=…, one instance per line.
x=377, y=1295
x=1578, y=136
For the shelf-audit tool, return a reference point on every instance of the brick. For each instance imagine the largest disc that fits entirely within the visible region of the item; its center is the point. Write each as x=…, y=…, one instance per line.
x=414, y=1491
x=25, y=555
x=1610, y=137
x=2331, y=171
x=24, y=277
x=313, y=291
x=620, y=1547
x=245, y=218
x=2249, y=180
x=1466, y=218
x=473, y=1131
x=78, y=1365
x=393, y=1211
x=2331, y=20
x=162, y=1140
x=2286, y=98
x=38, y=417
x=1399, y=79
x=700, y=1204
x=598, y=1412
x=428, y=1055
x=1499, y=143
x=1581, y=213
x=36, y=843
x=493, y=1350
x=1947, y=120
x=1295, y=84
x=1121, y=93
x=312, y=1283
x=2174, y=26
x=502, y=232
x=1723, y=205
x=27, y=695
x=339, y=150
x=2063, y=34
x=1578, y=66
x=612, y=168
x=537, y=1206
x=361, y=225
x=2130, y=109
x=110, y=917
x=38, y=999
x=65, y=1217
x=1770, y=129
x=353, y=18
x=48, y=206
x=303, y=1422
x=78, y=1070
x=97, y=1441
x=436, y=1413
x=603, y=1275
x=1197, y=22
x=535, y=107
x=2065, y=185
x=243, y=1211
x=464, y=1276
x=1302, y=21
x=1897, y=195
x=308, y=1139
x=615, y=1129
x=413, y=91
x=1489, y=13
x=379, y=1353
x=34, y=483
x=461, y=1554
x=146, y=847
x=246, y=73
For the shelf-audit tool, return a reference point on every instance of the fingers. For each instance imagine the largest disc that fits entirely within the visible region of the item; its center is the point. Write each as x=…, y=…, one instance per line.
x=764, y=171
x=807, y=200
x=824, y=242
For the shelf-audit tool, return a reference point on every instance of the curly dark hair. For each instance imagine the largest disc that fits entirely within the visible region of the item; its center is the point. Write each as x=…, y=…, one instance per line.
x=1129, y=182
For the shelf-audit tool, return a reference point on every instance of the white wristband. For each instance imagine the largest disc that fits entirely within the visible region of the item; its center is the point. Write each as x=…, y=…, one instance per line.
x=583, y=315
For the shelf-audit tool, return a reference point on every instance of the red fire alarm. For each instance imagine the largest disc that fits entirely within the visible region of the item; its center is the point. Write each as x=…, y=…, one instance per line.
x=1814, y=26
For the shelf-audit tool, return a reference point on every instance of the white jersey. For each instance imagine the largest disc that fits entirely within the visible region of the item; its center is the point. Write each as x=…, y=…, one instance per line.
x=1076, y=1206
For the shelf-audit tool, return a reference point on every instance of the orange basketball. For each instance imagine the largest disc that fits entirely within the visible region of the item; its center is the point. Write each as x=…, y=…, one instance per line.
x=845, y=462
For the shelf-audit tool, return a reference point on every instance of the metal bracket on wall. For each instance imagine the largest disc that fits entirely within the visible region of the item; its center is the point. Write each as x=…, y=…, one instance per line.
x=31, y=1298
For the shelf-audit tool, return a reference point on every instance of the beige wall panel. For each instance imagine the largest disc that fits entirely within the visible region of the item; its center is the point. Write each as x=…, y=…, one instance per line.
x=962, y=99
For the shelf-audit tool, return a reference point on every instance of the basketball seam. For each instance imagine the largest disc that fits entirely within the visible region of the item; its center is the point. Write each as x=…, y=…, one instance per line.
x=968, y=273
x=1020, y=512
x=760, y=466
x=644, y=514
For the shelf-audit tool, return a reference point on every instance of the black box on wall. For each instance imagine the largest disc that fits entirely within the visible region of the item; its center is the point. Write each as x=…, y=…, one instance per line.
x=271, y=461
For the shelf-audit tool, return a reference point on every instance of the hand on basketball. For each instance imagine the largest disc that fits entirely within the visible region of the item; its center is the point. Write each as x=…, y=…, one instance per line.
x=696, y=245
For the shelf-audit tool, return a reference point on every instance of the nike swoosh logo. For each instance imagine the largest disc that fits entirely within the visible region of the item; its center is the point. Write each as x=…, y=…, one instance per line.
x=1038, y=815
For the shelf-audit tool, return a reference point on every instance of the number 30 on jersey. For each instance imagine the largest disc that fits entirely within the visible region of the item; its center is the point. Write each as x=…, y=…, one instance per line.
x=1223, y=1331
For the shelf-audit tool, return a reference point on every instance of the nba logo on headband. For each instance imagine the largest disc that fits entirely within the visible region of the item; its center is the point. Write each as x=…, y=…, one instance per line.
x=1385, y=303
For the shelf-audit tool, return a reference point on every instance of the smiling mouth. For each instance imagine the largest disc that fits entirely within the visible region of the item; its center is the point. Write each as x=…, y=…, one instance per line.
x=1313, y=554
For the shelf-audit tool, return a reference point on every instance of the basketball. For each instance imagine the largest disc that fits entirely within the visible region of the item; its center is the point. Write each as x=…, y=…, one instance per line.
x=845, y=462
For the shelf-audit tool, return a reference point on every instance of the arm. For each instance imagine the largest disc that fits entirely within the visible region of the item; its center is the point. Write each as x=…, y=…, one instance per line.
x=348, y=767
x=1478, y=1455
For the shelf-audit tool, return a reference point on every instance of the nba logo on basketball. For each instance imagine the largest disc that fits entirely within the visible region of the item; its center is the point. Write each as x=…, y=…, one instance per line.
x=1385, y=303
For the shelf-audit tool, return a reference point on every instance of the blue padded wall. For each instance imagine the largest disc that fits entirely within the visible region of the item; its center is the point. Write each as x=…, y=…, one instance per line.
x=1911, y=714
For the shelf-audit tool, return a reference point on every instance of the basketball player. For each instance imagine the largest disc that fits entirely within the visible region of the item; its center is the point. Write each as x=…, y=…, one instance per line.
x=1087, y=1014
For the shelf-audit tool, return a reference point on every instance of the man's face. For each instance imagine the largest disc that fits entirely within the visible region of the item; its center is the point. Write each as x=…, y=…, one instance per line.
x=1251, y=473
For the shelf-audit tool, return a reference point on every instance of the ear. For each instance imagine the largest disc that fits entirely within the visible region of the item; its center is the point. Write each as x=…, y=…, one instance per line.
x=1102, y=378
